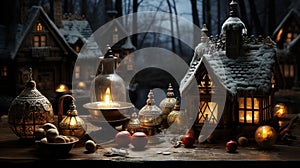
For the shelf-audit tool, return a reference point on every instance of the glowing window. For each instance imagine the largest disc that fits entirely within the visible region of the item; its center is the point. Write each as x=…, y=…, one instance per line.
x=208, y=111
x=3, y=71
x=39, y=27
x=77, y=72
x=39, y=41
x=248, y=110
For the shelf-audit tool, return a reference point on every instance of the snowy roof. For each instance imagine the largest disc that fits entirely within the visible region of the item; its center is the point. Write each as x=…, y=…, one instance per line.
x=291, y=13
x=73, y=30
x=90, y=49
x=250, y=73
x=22, y=30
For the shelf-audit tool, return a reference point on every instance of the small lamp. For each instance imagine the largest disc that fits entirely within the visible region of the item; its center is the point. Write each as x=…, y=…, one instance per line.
x=72, y=124
x=62, y=88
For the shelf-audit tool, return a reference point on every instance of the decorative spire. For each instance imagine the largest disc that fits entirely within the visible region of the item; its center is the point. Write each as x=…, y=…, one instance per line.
x=204, y=32
x=170, y=92
x=233, y=9
x=150, y=100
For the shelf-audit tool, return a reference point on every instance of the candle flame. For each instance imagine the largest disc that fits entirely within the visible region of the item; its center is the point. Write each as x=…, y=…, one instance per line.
x=107, y=97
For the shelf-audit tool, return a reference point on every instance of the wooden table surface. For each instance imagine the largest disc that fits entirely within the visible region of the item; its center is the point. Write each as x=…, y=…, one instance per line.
x=14, y=152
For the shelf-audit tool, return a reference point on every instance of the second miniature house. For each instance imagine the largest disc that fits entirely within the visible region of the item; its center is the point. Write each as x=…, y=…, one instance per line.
x=244, y=67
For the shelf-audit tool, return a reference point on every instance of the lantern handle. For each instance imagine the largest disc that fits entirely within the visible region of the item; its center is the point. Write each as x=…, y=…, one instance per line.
x=60, y=106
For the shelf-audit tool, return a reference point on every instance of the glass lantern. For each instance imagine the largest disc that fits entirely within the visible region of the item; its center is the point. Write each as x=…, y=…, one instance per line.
x=108, y=86
x=150, y=116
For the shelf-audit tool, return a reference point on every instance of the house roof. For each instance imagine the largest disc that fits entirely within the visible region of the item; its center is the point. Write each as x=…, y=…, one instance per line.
x=3, y=41
x=292, y=13
x=73, y=30
x=22, y=30
x=250, y=73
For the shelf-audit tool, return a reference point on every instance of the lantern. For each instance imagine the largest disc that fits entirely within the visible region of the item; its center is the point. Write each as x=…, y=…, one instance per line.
x=108, y=85
x=265, y=136
x=72, y=124
x=29, y=111
x=150, y=116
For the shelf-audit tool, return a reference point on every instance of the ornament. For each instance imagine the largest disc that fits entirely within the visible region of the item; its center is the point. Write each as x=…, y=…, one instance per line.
x=123, y=138
x=177, y=119
x=231, y=146
x=242, y=141
x=167, y=105
x=29, y=111
x=139, y=140
x=90, y=146
x=265, y=136
x=188, y=141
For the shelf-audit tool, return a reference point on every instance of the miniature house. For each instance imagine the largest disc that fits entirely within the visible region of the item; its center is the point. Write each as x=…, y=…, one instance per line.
x=287, y=35
x=236, y=76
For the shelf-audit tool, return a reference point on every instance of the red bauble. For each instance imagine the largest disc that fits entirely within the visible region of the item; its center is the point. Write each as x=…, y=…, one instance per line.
x=139, y=140
x=231, y=146
x=188, y=140
x=123, y=138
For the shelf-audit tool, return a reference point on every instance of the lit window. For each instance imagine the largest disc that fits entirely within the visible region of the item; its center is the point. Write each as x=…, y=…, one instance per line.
x=115, y=38
x=208, y=111
x=43, y=41
x=3, y=72
x=39, y=41
x=39, y=27
x=77, y=49
x=288, y=70
x=77, y=72
x=248, y=110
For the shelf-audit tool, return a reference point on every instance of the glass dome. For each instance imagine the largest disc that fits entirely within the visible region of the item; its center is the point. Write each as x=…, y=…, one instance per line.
x=108, y=86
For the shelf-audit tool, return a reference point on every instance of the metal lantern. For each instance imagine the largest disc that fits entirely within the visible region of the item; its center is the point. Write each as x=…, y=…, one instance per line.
x=150, y=116
x=29, y=111
x=167, y=105
x=72, y=124
x=133, y=124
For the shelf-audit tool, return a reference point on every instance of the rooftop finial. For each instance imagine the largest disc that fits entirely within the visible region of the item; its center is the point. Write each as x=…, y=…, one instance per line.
x=233, y=9
x=204, y=32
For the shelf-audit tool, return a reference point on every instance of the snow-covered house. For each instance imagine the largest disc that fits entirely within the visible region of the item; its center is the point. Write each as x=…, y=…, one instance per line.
x=235, y=77
x=287, y=35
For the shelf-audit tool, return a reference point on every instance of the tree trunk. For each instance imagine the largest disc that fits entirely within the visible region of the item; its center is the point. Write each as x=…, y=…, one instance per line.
x=134, y=22
x=171, y=25
x=256, y=20
x=195, y=16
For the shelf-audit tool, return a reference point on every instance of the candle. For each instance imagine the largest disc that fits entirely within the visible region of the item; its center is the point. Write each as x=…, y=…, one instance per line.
x=107, y=103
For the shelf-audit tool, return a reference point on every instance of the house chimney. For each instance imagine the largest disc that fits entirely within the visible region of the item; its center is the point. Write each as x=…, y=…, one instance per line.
x=234, y=29
x=56, y=8
x=24, y=5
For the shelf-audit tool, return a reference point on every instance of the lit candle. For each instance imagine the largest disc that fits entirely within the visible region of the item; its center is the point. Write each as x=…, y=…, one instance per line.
x=107, y=103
